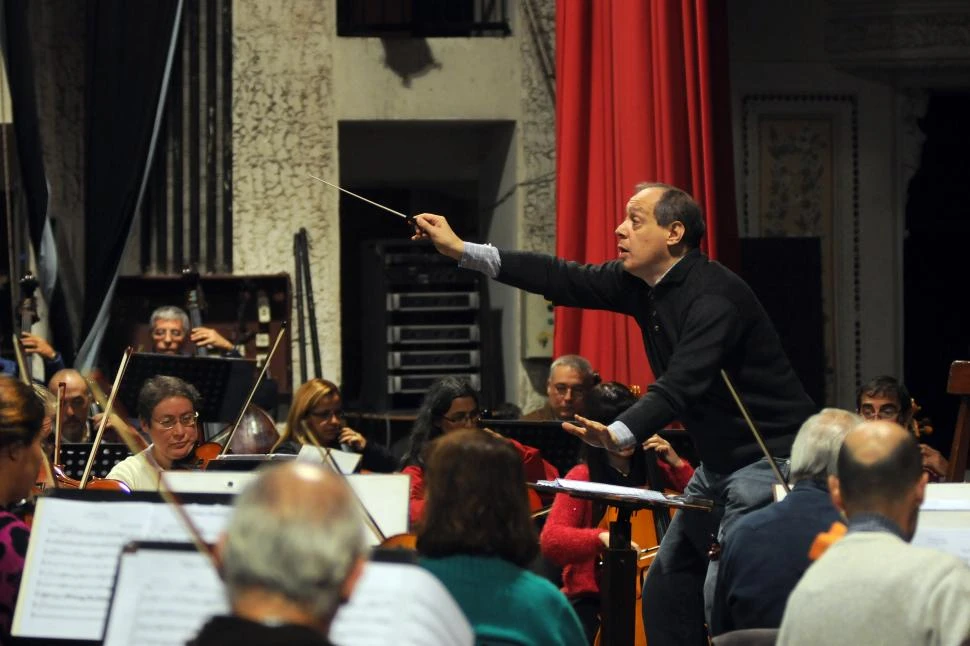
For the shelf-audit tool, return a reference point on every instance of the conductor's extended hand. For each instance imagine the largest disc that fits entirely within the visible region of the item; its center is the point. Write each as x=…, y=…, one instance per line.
x=436, y=228
x=593, y=433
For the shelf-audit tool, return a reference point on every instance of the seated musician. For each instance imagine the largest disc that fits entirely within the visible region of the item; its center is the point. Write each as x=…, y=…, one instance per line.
x=317, y=405
x=570, y=378
x=478, y=538
x=170, y=331
x=873, y=586
x=449, y=405
x=768, y=551
x=22, y=436
x=571, y=537
x=167, y=410
x=76, y=425
x=291, y=554
x=887, y=399
x=34, y=344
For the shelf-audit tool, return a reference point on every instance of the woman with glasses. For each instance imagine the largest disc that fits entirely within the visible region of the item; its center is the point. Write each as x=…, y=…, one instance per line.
x=22, y=434
x=449, y=405
x=317, y=408
x=167, y=410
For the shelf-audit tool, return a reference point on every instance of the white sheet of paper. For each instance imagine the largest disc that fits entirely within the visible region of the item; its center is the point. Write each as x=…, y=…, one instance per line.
x=346, y=460
x=402, y=604
x=953, y=540
x=80, y=541
x=162, y=597
x=944, y=504
x=385, y=496
x=646, y=495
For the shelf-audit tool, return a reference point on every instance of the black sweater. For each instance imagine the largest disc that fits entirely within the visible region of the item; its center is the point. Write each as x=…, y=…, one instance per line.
x=699, y=319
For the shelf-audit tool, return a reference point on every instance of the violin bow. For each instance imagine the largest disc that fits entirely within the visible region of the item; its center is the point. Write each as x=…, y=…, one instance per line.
x=327, y=457
x=58, y=425
x=252, y=392
x=104, y=419
x=754, y=431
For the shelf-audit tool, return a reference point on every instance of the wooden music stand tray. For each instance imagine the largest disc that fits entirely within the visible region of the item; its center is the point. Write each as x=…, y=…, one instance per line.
x=959, y=384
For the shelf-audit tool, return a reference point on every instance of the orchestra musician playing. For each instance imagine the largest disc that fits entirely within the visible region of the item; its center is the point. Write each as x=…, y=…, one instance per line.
x=22, y=436
x=291, y=554
x=700, y=322
x=167, y=409
x=449, y=405
x=170, y=330
x=77, y=423
x=318, y=407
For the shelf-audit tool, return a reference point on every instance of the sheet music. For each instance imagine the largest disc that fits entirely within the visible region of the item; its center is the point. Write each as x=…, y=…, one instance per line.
x=73, y=554
x=163, y=597
x=953, y=540
x=385, y=495
x=396, y=603
x=346, y=460
x=646, y=495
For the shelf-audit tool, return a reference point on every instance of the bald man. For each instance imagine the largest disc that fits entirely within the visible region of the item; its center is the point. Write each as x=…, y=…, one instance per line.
x=873, y=587
x=292, y=553
x=77, y=424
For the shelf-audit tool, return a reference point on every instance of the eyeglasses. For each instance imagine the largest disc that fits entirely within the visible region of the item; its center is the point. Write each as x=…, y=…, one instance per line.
x=168, y=422
x=888, y=412
x=76, y=403
x=336, y=413
x=464, y=417
x=577, y=391
x=161, y=333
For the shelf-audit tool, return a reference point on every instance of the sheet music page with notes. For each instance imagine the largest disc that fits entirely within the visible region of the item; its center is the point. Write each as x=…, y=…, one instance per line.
x=73, y=555
x=397, y=603
x=163, y=597
x=598, y=487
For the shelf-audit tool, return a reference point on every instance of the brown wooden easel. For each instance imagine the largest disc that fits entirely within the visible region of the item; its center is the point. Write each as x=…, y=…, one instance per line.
x=959, y=384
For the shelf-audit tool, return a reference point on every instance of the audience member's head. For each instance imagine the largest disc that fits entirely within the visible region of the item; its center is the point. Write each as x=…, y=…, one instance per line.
x=449, y=405
x=815, y=451
x=570, y=378
x=884, y=398
x=294, y=547
x=880, y=471
x=476, y=501
x=169, y=326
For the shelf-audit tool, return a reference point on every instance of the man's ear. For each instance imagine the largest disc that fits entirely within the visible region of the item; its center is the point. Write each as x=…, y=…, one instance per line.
x=835, y=492
x=675, y=233
x=347, y=587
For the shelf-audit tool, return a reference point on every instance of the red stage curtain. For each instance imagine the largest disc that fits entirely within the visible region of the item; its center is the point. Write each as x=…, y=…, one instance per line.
x=642, y=95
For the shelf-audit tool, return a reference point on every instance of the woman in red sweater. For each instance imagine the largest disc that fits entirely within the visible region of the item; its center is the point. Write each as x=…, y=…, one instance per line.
x=449, y=405
x=571, y=537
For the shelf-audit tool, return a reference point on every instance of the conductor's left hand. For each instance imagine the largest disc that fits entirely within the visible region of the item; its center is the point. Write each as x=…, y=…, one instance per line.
x=593, y=433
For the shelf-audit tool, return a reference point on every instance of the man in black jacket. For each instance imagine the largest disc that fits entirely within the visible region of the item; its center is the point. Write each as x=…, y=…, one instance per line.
x=698, y=319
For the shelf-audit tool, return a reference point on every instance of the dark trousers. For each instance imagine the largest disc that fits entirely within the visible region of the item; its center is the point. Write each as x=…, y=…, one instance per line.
x=678, y=591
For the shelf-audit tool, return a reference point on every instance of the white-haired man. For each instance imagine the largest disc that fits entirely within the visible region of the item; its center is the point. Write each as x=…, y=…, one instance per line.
x=767, y=553
x=292, y=553
x=570, y=378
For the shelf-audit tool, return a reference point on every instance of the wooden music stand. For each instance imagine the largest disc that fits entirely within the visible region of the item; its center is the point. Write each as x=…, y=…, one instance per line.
x=959, y=384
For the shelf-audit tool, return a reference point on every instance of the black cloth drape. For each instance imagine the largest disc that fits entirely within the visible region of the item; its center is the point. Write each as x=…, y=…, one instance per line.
x=127, y=49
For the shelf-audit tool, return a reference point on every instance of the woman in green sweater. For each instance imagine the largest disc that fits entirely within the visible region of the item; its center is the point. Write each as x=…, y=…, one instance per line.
x=478, y=538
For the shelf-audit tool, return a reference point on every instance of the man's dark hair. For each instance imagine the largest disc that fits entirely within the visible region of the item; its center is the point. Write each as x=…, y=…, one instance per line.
x=885, y=386
x=476, y=501
x=676, y=205
x=160, y=387
x=869, y=486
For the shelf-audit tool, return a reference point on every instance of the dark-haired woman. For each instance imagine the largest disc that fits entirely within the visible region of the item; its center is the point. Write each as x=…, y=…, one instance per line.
x=571, y=537
x=22, y=435
x=478, y=538
x=451, y=404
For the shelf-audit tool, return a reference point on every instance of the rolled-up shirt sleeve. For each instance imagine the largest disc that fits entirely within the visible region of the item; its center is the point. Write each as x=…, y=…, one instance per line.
x=481, y=257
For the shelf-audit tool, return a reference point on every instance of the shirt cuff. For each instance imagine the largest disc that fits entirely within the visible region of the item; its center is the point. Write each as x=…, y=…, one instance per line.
x=481, y=257
x=622, y=434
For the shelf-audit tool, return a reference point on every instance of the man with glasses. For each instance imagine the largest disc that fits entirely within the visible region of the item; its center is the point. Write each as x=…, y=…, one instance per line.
x=570, y=377
x=170, y=330
x=885, y=398
x=77, y=423
x=167, y=410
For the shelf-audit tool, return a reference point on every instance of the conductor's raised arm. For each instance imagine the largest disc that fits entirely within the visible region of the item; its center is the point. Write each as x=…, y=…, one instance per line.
x=436, y=228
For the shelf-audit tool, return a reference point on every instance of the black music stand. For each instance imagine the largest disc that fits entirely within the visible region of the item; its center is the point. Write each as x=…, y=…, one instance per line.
x=75, y=457
x=619, y=576
x=223, y=382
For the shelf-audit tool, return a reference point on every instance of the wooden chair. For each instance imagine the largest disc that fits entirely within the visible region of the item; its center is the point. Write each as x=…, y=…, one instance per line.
x=959, y=384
